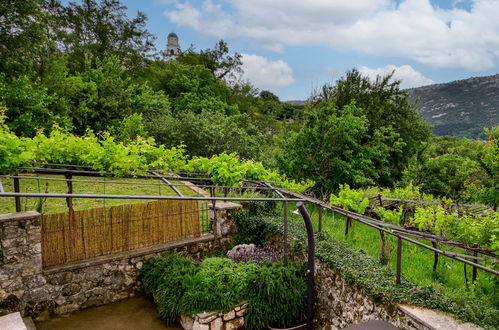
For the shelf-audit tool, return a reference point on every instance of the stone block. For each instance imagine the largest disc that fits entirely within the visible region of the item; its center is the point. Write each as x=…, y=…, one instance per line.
x=205, y=318
x=234, y=324
x=229, y=315
x=217, y=324
x=36, y=294
x=198, y=326
x=186, y=322
x=71, y=289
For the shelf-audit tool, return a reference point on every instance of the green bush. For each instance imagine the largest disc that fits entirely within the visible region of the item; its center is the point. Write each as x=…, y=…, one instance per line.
x=251, y=228
x=276, y=294
x=164, y=278
x=219, y=285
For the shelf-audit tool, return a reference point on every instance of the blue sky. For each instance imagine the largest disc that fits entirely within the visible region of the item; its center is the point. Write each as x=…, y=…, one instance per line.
x=292, y=46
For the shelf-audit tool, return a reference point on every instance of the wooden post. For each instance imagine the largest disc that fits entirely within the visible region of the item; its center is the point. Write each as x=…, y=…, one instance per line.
x=384, y=257
x=320, y=218
x=435, y=257
x=465, y=275
x=17, y=198
x=380, y=200
x=474, y=272
x=72, y=221
x=399, y=259
x=286, y=248
x=348, y=224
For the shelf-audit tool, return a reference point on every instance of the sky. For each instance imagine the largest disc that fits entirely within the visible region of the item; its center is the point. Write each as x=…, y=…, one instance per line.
x=291, y=47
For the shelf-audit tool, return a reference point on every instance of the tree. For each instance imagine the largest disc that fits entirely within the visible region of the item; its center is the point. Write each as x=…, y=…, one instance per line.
x=486, y=189
x=217, y=60
x=384, y=105
x=334, y=147
x=102, y=28
x=29, y=106
x=445, y=166
x=23, y=36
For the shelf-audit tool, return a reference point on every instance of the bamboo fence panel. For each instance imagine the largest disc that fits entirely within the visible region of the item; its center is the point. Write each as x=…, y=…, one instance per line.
x=102, y=231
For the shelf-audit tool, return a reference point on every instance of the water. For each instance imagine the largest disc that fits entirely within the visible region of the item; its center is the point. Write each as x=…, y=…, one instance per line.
x=130, y=314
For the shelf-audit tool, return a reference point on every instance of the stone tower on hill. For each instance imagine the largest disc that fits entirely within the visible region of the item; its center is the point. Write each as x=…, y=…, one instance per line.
x=172, y=46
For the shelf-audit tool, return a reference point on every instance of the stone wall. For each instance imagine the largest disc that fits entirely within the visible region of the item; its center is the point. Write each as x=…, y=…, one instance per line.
x=232, y=320
x=339, y=304
x=26, y=287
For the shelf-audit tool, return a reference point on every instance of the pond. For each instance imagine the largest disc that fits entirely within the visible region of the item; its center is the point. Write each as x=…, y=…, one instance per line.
x=129, y=314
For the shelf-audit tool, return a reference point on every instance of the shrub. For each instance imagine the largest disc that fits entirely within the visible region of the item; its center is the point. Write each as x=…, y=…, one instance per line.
x=251, y=228
x=164, y=278
x=219, y=285
x=277, y=296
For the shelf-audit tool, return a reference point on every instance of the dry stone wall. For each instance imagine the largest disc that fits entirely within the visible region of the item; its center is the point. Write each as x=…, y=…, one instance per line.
x=339, y=304
x=26, y=287
x=232, y=320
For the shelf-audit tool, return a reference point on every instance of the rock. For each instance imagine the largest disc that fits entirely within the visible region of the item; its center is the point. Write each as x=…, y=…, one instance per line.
x=186, y=322
x=217, y=324
x=198, y=326
x=71, y=289
x=229, y=315
x=205, y=318
x=234, y=324
x=241, y=249
x=37, y=294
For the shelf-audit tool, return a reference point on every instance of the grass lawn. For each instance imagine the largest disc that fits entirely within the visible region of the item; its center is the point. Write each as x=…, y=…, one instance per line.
x=417, y=262
x=56, y=205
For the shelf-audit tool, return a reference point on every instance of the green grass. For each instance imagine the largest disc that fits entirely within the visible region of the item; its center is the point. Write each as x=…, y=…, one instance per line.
x=417, y=262
x=56, y=205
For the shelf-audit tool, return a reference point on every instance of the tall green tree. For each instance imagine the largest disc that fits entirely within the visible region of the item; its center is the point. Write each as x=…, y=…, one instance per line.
x=218, y=60
x=385, y=105
x=102, y=28
x=23, y=37
x=334, y=147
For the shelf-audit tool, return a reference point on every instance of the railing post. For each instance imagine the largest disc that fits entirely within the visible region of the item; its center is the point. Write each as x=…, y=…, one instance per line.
x=286, y=248
x=399, y=259
x=17, y=198
x=474, y=271
x=320, y=218
x=435, y=257
x=311, y=264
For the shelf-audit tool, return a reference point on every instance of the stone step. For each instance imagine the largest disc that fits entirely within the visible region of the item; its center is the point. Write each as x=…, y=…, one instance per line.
x=372, y=325
x=12, y=321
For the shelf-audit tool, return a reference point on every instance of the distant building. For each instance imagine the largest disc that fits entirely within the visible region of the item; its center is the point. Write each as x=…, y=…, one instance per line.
x=172, y=46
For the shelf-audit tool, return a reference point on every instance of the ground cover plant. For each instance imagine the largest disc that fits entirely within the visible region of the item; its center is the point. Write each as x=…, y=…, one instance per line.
x=357, y=257
x=276, y=294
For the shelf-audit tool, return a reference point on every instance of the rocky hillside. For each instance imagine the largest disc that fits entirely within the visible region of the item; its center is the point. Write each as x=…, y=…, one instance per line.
x=460, y=108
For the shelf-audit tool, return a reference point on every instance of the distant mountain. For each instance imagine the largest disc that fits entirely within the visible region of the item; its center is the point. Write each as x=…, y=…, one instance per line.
x=296, y=102
x=460, y=108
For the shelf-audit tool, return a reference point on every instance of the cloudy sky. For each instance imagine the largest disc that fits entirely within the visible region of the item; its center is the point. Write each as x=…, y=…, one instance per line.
x=293, y=46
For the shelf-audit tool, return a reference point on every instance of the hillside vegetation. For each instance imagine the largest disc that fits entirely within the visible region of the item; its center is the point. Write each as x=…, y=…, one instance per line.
x=460, y=108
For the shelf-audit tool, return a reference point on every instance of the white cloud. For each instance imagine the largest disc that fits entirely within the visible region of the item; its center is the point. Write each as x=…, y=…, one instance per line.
x=265, y=74
x=406, y=74
x=413, y=29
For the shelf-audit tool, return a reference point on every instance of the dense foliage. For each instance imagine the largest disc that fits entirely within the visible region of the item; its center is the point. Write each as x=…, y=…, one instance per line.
x=104, y=153
x=276, y=294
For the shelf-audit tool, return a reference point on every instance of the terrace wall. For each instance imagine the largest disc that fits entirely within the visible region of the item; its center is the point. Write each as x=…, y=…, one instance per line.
x=28, y=287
